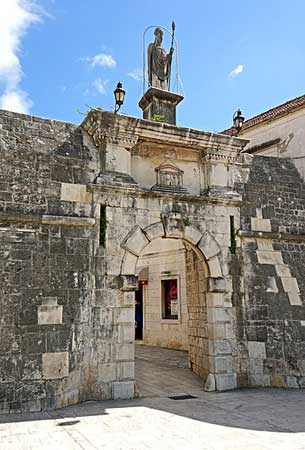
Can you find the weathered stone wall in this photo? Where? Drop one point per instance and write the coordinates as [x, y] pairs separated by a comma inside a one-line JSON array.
[[50, 325], [196, 288], [271, 315]]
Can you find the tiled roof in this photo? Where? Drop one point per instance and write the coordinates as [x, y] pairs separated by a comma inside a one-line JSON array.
[[272, 113]]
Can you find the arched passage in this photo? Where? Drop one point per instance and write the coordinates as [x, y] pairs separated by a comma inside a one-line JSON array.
[[209, 318]]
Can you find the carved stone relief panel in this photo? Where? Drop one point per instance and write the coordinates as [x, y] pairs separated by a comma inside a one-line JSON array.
[[169, 178]]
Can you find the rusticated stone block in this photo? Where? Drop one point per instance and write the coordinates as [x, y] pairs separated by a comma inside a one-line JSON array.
[[225, 382], [135, 241], [123, 390], [55, 365], [257, 349], [49, 312]]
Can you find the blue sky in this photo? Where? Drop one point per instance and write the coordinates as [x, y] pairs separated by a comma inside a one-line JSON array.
[[57, 56]]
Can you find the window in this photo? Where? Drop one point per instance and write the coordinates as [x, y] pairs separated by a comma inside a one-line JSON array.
[[169, 298]]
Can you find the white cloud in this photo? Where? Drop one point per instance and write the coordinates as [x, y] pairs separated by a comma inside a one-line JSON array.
[[15, 19], [101, 59], [136, 74], [237, 70], [16, 100], [100, 85]]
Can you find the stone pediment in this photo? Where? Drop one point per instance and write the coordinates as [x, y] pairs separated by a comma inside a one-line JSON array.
[[169, 178]]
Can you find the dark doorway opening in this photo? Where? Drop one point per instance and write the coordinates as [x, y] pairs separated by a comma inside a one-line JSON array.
[[139, 313]]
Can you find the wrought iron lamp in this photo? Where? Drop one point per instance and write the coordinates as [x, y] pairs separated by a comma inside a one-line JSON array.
[[238, 120], [119, 95]]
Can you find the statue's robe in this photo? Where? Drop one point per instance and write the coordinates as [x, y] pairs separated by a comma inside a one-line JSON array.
[[159, 66]]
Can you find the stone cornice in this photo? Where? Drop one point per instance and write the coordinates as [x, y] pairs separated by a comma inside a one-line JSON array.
[[108, 127], [95, 127], [221, 198], [216, 157]]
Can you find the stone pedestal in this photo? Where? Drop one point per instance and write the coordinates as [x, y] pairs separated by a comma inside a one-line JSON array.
[[159, 105]]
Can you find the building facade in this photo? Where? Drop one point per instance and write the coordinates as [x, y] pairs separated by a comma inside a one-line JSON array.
[[278, 132]]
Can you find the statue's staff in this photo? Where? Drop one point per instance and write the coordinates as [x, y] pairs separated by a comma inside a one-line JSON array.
[[171, 51]]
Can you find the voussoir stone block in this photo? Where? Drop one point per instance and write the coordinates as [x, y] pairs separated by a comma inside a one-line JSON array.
[[129, 264], [208, 245], [214, 267], [135, 241], [154, 231], [192, 235], [173, 225]]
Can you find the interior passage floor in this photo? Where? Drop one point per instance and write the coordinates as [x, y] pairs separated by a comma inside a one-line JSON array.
[[164, 372]]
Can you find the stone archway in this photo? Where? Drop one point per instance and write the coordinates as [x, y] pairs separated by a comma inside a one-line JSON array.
[[216, 362]]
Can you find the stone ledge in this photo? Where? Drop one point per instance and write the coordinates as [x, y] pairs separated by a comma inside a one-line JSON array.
[[72, 221], [144, 193], [68, 221], [271, 235]]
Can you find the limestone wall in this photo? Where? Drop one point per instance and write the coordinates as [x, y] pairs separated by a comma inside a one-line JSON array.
[[196, 288], [58, 341], [164, 258], [271, 270]]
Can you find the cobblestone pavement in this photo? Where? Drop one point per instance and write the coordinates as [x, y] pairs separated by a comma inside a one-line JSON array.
[[256, 419]]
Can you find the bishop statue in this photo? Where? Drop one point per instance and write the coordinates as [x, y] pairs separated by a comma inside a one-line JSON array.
[[159, 62]]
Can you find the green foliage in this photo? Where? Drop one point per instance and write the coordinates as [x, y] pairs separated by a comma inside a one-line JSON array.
[[186, 222], [158, 118], [103, 226], [232, 235]]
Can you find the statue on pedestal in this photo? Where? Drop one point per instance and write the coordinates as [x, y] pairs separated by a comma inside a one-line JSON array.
[[159, 101], [159, 62]]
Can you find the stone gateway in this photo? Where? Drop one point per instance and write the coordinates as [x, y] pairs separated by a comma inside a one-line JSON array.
[[79, 206]]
